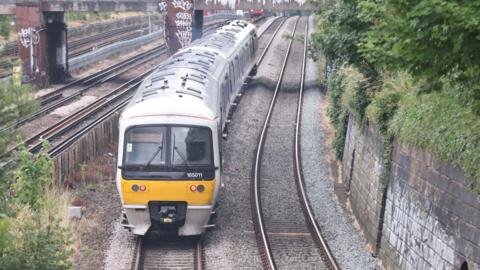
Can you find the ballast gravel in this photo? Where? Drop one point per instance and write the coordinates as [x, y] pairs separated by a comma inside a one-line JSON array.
[[346, 243], [120, 252]]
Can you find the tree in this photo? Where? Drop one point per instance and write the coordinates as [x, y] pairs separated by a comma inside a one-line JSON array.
[[15, 102], [340, 32], [433, 40]]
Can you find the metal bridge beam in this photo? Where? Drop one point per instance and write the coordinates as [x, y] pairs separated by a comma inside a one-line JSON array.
[[7, 6]]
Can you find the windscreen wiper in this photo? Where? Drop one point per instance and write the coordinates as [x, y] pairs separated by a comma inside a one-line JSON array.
[[175, 149], [159, 150]]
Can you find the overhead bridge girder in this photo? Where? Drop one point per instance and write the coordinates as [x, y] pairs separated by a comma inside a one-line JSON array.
[[7, 6], [274, 5]]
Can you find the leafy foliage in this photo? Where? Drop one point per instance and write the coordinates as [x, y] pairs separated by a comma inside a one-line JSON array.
[[32, 178], [86, 16], [36, 240], [337, 113], [430, 39], [15, 103], [34, 235], [5, 25], [385, 103]]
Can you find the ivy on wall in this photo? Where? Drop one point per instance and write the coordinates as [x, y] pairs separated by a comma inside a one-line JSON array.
[[410, 67]]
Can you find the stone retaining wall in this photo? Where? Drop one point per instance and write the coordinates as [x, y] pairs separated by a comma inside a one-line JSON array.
[[361, 175], [431, 218]]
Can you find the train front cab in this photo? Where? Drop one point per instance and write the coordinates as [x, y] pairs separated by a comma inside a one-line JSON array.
[[168, 177]]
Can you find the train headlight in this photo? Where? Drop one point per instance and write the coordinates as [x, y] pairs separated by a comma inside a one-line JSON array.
[[193, 188], [135, 187], [142, 188], [201, 188]]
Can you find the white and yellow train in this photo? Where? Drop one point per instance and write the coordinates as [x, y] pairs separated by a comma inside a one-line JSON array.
[[170, 134]]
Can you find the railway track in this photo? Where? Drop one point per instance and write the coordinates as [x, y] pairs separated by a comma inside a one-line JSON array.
[[285, 227], [184, 253], [58, 98], [177, 253], [81, 46]]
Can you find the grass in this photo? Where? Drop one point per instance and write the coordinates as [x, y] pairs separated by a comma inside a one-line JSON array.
[[442, 123]]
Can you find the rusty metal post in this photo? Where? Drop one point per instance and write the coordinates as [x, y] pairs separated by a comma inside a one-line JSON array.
[[178, 24]]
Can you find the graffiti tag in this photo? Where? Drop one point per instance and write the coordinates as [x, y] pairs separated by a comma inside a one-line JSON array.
[[28, 37], [185, 5]]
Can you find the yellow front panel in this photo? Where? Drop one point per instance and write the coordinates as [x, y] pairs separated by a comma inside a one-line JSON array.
[[157, 190]]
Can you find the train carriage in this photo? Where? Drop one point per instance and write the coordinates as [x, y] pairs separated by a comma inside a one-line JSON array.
[[170, 134]]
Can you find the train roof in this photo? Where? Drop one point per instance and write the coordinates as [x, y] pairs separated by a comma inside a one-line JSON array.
[[188, 79]]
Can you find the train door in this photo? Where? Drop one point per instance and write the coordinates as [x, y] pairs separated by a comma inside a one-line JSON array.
[[232, 76]]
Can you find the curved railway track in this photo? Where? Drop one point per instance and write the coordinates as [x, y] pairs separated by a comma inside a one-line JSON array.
[[286, 231]]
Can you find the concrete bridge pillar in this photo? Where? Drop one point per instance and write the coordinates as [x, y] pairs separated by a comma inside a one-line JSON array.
[[42, 44]]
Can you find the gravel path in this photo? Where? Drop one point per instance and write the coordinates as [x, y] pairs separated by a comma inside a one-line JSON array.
[[345, 241], [231, 244]]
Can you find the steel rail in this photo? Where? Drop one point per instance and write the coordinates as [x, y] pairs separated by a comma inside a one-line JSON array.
[[58, 149], [264, 247], [310, 217], [260, 59], [199, 255], [105, 42], [64, 125]]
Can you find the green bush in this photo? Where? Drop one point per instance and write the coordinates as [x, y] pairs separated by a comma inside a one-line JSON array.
[[5, 25], [384, 104], [431, 39], [15, 103], [35, 234], [36, 240], [337, 113], [32, 178]]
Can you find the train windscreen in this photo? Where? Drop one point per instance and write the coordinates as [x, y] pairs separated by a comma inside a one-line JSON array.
[[168, 152]]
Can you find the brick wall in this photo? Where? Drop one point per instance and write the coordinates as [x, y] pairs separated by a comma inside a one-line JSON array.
[[432, 220]]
